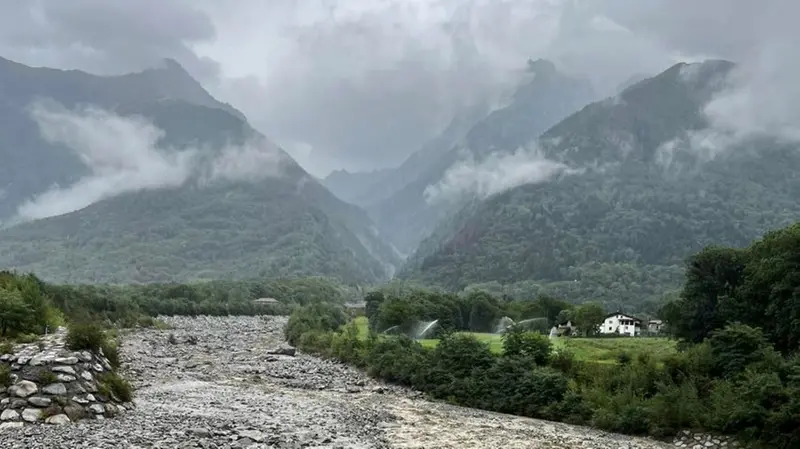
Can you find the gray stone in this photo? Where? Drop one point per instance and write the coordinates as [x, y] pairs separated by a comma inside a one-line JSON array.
[[18, 403], [75, 412], [38, 401], [284, 350], [10, 426], [78, 400], [23, 389], [57, 389], [31, 414], [68, 361], [86, 375], [9, 415], [40, 360], [84, 356], [253, 435], [64, 369], [200, 432], [97, 408], [57, 420], [66, 378]]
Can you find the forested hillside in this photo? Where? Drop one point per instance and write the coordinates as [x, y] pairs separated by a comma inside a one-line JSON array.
[[539, 103], [188, 190], [639, 198]]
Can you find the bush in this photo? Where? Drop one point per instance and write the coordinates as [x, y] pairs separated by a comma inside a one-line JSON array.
[[564, 361], [113, 385], [321, 317], [47, 377], [736, 346], [111, 352], [5, 375], [86, 337], [6, 348], [400, 360], [517, 343]]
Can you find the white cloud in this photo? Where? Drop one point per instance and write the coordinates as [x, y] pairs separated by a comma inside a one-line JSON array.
[[761, 98], [122, 155], [496, 173]]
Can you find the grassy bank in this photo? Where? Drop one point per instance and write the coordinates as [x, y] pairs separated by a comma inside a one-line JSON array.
[[598, 350]]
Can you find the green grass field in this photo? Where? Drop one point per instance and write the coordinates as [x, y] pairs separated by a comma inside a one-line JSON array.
[[600, 350]]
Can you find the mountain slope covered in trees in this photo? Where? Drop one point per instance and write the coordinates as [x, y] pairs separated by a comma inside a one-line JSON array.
[[546, 97], [219, 201], [637, 196]]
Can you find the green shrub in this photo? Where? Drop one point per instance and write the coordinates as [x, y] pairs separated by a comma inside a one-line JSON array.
[[400, 360], [112, 384], [564, 361], [314, 317], [6, 348], [27, 338], [5, 375], [518, 343], [85, 337], [736, 346], [347, 346], [111, 352], [47, 377]]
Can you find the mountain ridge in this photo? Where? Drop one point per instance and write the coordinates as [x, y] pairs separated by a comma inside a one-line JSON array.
[[269, 218], [628, 206], [542, 100]]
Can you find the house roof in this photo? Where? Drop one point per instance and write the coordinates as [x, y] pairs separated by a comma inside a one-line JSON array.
[[623, 314]]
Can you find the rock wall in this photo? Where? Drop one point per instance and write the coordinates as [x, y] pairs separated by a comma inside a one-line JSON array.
[[689, 440], [51, 384]]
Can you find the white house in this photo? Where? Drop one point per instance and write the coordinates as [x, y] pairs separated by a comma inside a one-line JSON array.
[[655, 326], [620, 323]]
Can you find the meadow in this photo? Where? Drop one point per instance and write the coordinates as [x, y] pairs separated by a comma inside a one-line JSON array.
[[599, 350]]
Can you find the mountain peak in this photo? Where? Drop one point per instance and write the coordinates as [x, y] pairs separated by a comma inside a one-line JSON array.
[[541, 67]]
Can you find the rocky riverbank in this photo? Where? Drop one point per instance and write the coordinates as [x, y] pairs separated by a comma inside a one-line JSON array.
[[47, 382], [212, 383]]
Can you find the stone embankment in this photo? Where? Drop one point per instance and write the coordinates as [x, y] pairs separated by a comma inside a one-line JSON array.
[[51, 384], [224, 383], [690, 440]]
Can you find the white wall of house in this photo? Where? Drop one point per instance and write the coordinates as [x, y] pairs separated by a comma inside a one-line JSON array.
[[621, 324]]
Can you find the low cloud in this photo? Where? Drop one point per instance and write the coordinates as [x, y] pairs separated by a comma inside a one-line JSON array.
[[123, 154], [760, 99], [495, 174]]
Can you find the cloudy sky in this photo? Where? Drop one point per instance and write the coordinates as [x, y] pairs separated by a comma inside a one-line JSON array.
[[360, 84]]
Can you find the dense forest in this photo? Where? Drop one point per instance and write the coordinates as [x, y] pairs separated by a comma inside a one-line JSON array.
[[28, 304], [737, 370]]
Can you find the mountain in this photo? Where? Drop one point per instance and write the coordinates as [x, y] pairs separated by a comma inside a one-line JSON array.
[[191, 191], [546, 97], [637, 198], [371, 188]]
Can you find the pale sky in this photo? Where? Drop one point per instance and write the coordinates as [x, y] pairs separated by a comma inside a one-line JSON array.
[[361, 84]]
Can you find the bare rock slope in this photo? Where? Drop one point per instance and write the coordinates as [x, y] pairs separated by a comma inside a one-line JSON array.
[[211, 383]]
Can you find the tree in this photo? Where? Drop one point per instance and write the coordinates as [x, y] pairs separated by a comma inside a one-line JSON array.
[[14, 312], [373, 301], [588, 318], [713, 276]]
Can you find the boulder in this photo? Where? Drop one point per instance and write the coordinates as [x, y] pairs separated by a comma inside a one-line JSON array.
[[31, 414], [23, 389], [284, 350], [57, 420]]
